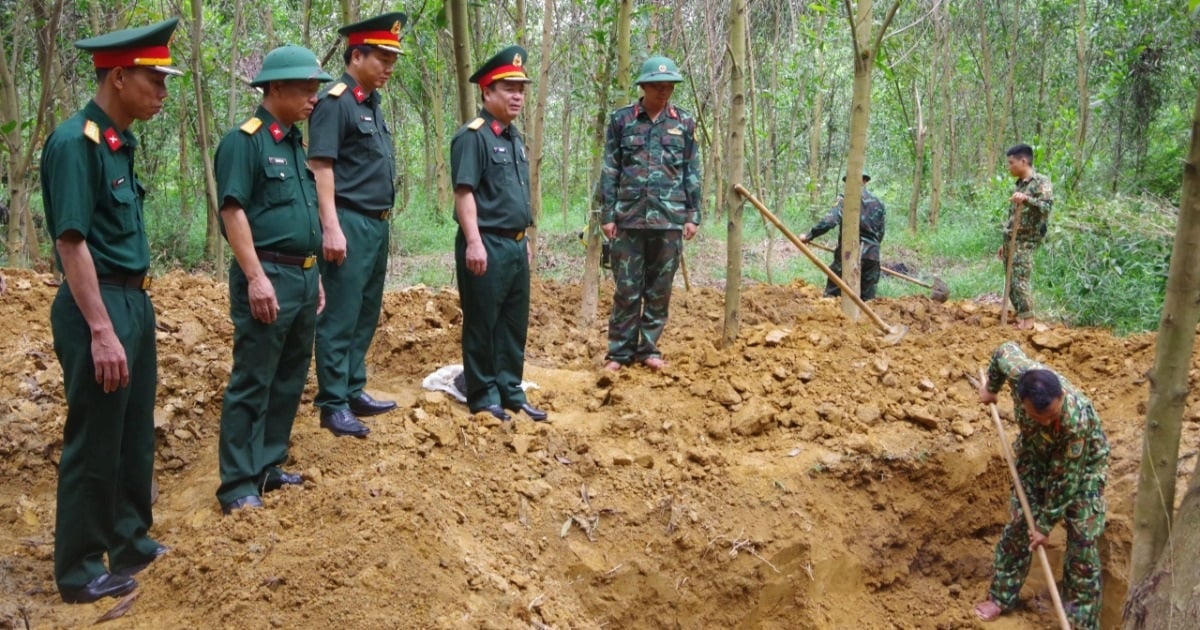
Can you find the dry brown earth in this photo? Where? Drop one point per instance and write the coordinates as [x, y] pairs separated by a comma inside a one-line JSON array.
[[809, 477]]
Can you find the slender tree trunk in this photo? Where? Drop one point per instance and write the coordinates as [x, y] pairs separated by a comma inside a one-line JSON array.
[[1081, 85], [988, 146], [817, 121], [214, 243], [735, 168], [462, 58], [564, 163], [943, 116], [918, 164], [538, 132], [591, 266], [1152, 567], [624, 63]]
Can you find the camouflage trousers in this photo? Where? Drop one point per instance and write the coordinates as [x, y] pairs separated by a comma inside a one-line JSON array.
[[1021, 291], [1080, 585], [869, 278], [643, 265]]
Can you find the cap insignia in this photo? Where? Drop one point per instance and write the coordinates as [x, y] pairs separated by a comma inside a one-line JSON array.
[[517, 60], [396, 28], [662, 67]]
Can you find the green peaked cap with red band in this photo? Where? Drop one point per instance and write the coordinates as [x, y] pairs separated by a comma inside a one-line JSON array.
[[382, 31], [506, 65], [141, 47]]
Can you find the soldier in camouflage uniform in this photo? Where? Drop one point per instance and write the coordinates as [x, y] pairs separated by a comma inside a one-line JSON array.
[[649, 196], [871, 222], [1062, 461], [1035, 196]]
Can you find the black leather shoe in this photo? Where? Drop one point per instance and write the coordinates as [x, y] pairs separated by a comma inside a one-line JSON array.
[[131, 571], [343, 422], [497, 411], [275, 479], [248, 501], [364, 405], [101, 586], [535, 414]]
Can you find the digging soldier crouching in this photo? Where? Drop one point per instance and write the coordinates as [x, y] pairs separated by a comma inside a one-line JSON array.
[[353, 159], [103, 321], [1062, 461], [490, 173], [649, 195], [269, 216]]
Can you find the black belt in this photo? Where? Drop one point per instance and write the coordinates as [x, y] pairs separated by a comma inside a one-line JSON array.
[[133, 281], [382, 215], [304, 262], [515, 235]]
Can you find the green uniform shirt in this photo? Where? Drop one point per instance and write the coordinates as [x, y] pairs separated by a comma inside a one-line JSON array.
[[261, 166], [348, 127], [490, 158], [651, 174], [1074, 455], [872, 222], [1036, 211], [89, 186]]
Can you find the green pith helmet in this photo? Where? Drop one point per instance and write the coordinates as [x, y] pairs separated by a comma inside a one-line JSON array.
[[659, 70], [290, 63]]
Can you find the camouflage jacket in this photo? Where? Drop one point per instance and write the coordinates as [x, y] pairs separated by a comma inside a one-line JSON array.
[[651, 175], [871, 224], [1072, 457], [1036, 210]]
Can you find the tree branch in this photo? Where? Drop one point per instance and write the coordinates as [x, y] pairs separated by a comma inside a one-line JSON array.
[[853, 28], [887, 21]]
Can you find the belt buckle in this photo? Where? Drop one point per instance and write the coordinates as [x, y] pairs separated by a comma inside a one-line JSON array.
[[309, 261], [146, 282], [519, 236], [383, 216]]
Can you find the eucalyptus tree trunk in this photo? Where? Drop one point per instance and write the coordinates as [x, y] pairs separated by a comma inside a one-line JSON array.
[[591, 266], [214, 244], [22, 237], [918, 163], [537, 135], [816, 121], [735, 168], [1081, 85], [987, 148], [462, 58], [1164, 574], [943, 114]]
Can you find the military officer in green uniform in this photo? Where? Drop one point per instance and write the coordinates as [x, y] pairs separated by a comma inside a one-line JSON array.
[[872, 223], [1034, 195], [649, 196], [352, 154], [1062, 461], [490, 173], [102, 319], [269, 215]]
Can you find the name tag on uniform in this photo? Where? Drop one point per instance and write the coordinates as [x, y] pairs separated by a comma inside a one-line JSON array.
[[276, 160], [675, 132], [366, 119], [118, 181], [499, 150]]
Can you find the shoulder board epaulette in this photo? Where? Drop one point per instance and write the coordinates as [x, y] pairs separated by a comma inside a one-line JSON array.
[[250, 127], [474, 125], [337, 89], [91, 131]]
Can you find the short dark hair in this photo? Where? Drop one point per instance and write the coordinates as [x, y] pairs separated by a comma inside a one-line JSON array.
[[1021, 151], [1040, 387], [362, 48], [102, 74]]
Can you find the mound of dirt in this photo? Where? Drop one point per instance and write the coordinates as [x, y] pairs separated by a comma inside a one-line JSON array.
[[810, 476]]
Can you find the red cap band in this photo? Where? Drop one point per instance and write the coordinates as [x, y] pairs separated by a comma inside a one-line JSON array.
[[502, 73], [373, 38], [127, 57]]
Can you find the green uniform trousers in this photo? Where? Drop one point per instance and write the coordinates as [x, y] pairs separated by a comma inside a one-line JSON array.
[[107, 464], [643, 264], [353, 299], [270, 367], [1080, 586], [868, 278], [1020, 293], [495, 310]]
